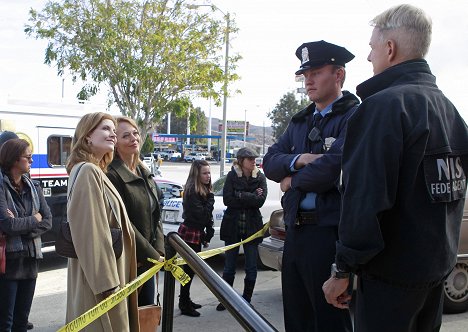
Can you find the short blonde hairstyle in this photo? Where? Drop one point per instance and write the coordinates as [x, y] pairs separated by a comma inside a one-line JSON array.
[[80, 150]]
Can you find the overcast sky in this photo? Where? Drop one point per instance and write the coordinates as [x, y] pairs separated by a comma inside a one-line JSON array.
[[269, 33]]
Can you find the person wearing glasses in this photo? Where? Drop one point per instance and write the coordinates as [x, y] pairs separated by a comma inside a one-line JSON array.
[[24, 216], [306, 160]]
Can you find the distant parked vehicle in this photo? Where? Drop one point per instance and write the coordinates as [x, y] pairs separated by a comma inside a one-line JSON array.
[[259, 162], [194, 156], [172, 155]]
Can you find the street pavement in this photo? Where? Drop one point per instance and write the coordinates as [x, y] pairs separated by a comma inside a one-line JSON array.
[[48, 310]]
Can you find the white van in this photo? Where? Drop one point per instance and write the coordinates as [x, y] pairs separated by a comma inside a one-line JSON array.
[[49, 129]]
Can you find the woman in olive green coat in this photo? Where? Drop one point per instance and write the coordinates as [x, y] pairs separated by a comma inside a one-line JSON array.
[[142, 200]]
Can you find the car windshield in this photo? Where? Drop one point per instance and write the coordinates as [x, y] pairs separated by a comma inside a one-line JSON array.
[[218, 186], [170, 190]]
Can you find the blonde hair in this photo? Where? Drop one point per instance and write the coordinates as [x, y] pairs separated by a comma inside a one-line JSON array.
[[136, 158], [80, 149], [409, 26], [193, 180]]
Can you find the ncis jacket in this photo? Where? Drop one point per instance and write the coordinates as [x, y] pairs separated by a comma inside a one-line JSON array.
[[239, 194], [142, 199], [322, 175], [404, 177]]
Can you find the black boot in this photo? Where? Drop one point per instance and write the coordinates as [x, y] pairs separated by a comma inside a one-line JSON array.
[[195, 305], [249, 286], [186, 308], [230, 281]]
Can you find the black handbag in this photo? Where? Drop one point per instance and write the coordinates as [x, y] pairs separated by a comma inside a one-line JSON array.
[[64, 242]]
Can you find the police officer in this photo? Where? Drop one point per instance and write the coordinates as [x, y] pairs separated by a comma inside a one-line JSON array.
[[404, 179], [306, 161]]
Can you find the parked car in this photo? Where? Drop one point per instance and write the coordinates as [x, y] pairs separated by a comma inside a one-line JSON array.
[[259, 162], [172, 155], [194, 156], [148, 161], [455, 286], [170, 189], [172, 210]]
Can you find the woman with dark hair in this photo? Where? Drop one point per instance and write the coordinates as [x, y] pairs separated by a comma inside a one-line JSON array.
[[244, 193], [94, 206], [24, 217], [142, 199], [197, 228]]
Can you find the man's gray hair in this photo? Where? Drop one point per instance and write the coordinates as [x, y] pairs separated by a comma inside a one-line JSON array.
[[409, 26]]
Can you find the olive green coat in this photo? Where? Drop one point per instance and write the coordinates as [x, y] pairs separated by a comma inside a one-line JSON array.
[[144, 216]]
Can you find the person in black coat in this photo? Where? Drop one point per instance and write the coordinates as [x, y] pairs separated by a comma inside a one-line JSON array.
[[244, 193], [197, 228], [405, 163]]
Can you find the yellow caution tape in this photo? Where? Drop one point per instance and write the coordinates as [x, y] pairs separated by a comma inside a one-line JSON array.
[[172, 265], [176, 271], [108, 303], [213, 252]]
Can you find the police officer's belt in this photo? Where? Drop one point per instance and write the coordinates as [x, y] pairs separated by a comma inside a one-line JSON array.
[[306, 218]]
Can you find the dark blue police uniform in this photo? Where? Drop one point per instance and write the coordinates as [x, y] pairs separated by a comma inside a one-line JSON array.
[[312, 234]]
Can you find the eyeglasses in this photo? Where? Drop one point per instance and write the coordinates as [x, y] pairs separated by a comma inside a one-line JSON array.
[[29, 158]]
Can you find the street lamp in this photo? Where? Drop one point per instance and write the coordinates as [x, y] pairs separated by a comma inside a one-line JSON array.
[[225, 85], [245, 127]]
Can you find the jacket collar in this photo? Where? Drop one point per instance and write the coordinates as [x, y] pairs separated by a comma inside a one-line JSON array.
[[238, 170], [340, 106], [412, 69], [125, 174]]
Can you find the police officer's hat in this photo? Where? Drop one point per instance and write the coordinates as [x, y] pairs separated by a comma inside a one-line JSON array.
[[246, 153], [320, 53]]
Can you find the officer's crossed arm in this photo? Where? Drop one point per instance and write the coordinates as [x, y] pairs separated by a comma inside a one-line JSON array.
[[305, 158]]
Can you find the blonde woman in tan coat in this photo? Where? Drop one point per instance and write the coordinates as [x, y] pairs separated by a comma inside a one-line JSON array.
[[94, 205]]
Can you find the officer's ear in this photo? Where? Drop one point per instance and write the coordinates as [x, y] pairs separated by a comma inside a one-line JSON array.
[[340, 74]]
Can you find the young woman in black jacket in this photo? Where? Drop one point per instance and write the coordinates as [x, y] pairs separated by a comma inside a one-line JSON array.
[[244, 193], [197, 228]]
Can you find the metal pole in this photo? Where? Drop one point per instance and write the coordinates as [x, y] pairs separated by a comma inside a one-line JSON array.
[[209, 130], [245, 126], [242, 311], [263, 150], [168, 294], [226, 77]]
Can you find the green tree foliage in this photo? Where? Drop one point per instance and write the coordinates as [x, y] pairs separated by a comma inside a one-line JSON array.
[[148, 53], [284, 111], [148, 145]]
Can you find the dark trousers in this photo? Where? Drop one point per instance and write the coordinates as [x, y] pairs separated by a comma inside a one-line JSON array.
[[15, 304], [250, 256], [309, 251], [386, 308], [185, 290], [147, 290]]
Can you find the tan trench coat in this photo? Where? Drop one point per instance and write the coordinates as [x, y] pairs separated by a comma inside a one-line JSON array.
[[96, 269]]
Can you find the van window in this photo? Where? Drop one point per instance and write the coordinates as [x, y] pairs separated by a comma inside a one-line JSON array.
[[58, 150]]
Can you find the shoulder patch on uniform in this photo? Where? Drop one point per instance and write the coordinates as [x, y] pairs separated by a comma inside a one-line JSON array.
[[445, 178]]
